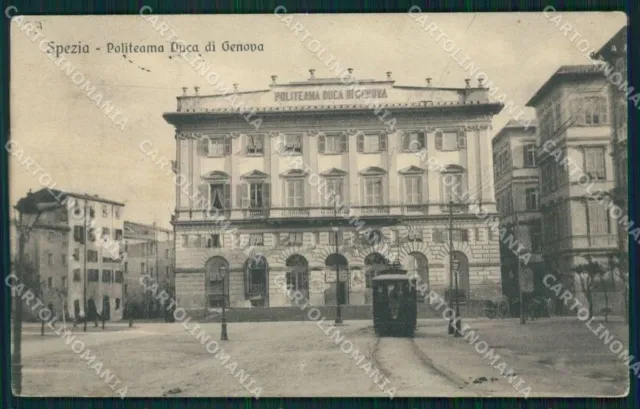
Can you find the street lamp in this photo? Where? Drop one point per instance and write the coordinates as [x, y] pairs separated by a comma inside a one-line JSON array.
[[336, 230], [29, 214], [222, 271]]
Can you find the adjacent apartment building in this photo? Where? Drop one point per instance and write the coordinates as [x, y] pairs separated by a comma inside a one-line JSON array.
[[576, 124], [149, 250], [614, 53], [71, 259], [517, 185], [258, 172]]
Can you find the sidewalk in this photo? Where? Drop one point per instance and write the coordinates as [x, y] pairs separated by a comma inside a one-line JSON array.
[[555, 357]]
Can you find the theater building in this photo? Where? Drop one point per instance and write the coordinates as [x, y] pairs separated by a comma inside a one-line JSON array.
[[271, 171]]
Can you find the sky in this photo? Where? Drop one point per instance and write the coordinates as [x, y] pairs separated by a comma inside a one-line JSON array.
[[54, 122]]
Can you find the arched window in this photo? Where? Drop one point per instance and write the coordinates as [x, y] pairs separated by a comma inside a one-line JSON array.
[[256, 281]]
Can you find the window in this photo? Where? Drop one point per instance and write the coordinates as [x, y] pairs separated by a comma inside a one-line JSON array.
[[118, 234], [64, 259], [372, 143], [142, 269], [332, 238], [214, 241], [462, 139], [531, 198], [414, 235], [151, 271], [117, 304], [78, 234], [50, 259], [256, 239], [255, 145], [594, 163], [460, 235], [536, 236], [333, 191], [292, 144], [126, 266], [105, 211], [64, 282], [450, 140], [295, 193], [76, 275], [254, 195], [292, 239], [166, 271], [93, 275], [106, 276], [333, 143], [185, 240], [412, 190], [50, 236], [414, 141], [373, 191], [116, 210], [452, 187], [76, 254], [92, 212], [50, 282], [166, 253], [595, 110], [106, 233], [219, 146], [92, 234], [598, 218], [529, 155], [557, 114]]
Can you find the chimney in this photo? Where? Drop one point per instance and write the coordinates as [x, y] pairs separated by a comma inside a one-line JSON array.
[[388, 75], [350, 71], [429, 82], [184, 91], [196, 89], [480, 81], [312, 74], [274, 79], [467, 81]]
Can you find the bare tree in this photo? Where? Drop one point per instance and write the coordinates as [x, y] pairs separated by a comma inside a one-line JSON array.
[[588, 273]]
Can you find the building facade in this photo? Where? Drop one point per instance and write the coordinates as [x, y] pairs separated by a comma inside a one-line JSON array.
[[574, 155], [150, 251], [273, 163], [65, 254], [614, 52], [517, 185]]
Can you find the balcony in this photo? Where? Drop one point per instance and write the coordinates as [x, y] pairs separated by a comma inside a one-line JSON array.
[[374, 210]]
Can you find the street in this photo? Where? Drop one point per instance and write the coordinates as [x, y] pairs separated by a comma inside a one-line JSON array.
[[555, 357]]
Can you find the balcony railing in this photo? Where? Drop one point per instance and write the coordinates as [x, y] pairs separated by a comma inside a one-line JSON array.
[[296, 212], [346, 210]]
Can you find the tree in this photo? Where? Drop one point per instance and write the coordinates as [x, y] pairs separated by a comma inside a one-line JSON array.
[[588, 273], [619, 264]]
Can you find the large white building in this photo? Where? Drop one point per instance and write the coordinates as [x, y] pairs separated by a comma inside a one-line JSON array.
[[270, 159]]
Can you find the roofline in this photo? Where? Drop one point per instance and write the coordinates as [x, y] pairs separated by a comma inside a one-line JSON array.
[[149, 226], [57, 195], [557, 76], [502, 132], [489, 107], [604, 50]]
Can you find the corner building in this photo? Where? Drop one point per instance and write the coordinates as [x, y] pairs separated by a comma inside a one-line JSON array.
[[315, 138]]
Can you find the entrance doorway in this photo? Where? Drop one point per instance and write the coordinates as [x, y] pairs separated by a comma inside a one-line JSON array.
[[298, 275]]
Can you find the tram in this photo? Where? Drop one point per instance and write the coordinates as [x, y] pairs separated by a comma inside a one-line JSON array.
[[395, 306]]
